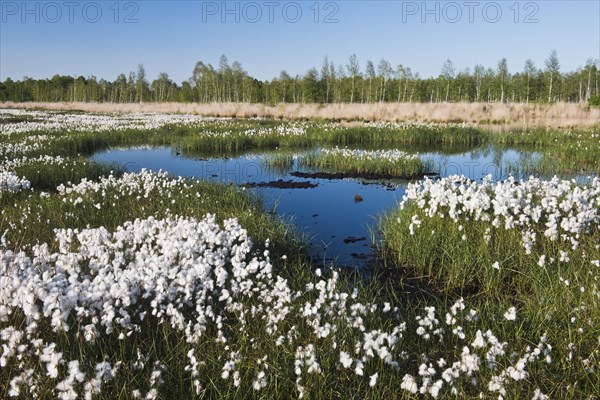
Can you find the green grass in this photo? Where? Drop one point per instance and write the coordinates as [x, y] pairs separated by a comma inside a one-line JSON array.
[[244, 135], [447, 266], [557, 298], [561, 152], [373, 163], [47, 176], [35, 217], [415, 135]]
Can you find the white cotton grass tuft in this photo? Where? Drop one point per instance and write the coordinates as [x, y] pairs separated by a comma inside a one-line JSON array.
[[567, 208], [373, 379], [174, 259], [511, 314], [345, 359], [10, 182]]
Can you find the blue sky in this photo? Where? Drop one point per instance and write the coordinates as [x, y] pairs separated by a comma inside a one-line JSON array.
[[43, 38]]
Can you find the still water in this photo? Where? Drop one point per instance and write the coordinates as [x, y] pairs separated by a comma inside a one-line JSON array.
[[339, 216]]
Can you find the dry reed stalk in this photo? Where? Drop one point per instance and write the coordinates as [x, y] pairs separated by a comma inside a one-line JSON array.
[[501, 116]]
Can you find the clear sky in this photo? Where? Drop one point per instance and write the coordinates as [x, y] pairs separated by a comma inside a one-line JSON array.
[[104, 38]]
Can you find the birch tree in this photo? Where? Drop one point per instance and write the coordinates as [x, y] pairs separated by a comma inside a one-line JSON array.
[[552, 68], [353, 70]]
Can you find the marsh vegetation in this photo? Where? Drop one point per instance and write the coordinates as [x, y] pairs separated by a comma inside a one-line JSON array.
[[142, 284]]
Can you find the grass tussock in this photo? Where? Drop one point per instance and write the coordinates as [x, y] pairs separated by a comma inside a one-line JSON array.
[[384, 163], [534, 243]]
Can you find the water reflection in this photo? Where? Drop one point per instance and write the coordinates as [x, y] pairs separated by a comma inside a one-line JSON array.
[[339, 226]]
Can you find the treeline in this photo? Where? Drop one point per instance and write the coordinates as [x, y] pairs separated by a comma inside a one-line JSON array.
[[348, 83]]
